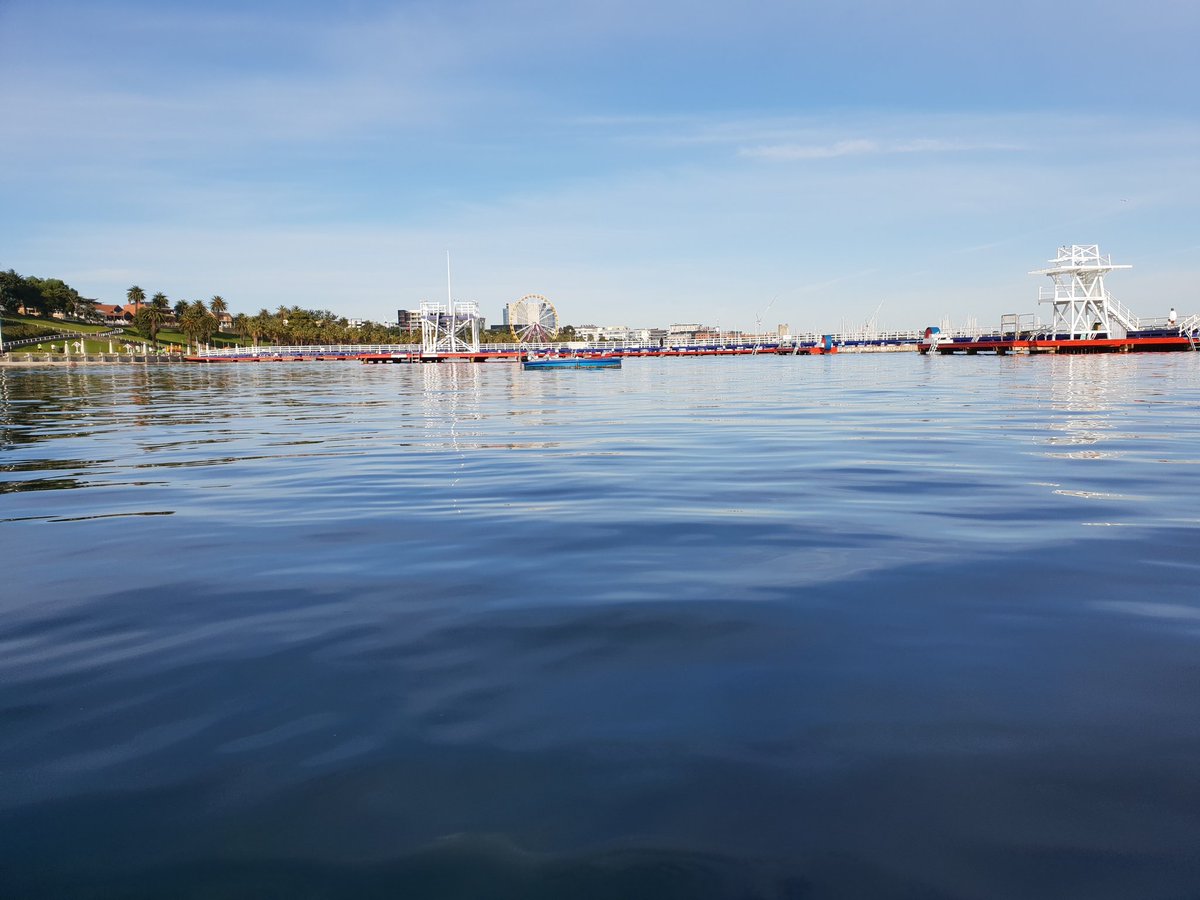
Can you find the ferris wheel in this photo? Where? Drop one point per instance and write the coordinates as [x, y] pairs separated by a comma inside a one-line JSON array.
[[532, 319]]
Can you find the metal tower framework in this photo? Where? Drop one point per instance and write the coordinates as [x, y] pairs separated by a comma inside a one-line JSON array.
[[449, 327], [1083, 308]]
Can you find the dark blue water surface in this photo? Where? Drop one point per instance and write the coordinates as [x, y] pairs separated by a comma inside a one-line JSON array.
[[847, 627]]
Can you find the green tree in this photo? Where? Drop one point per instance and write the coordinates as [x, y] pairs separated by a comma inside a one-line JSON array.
[[17, 292], [277, 330], [217, 307], [137, 297], [260, 325], [284, 324], [197, 323], [56, 296], [85, 308], [150, 318], [302, 325]]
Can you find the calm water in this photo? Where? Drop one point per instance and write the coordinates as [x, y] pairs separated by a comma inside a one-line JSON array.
[[851, 627]]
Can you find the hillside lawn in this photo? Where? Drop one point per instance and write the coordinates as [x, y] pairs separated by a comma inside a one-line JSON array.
[[167, 339]]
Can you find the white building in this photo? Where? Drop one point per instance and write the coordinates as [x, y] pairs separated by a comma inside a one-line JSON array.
[[691, 332], [612, 333]]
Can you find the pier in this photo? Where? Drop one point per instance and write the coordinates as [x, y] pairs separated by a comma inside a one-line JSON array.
[[76, 359], [1085, 318], [1001, 345], [802, 345], [450, 333]]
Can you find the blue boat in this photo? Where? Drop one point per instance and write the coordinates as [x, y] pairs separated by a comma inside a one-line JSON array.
[[573, 362]]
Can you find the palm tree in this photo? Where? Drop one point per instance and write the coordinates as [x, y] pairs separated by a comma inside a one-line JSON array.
[[151, 318], [197, 322], [277, 331], [137, 297], [217, 307], [284, 320], [260, 325], [302, 326]]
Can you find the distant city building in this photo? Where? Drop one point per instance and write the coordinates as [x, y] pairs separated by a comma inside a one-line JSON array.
[[355, 323], [782, 330], [612, 333], [410, 320], [691, 332]]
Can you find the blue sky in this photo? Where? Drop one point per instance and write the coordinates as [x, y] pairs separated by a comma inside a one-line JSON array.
[[638, 163]]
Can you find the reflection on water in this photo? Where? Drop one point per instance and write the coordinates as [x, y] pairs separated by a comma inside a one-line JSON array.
[[799, 627]]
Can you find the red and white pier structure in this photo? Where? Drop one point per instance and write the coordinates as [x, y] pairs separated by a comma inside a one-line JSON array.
[[1085, 317]]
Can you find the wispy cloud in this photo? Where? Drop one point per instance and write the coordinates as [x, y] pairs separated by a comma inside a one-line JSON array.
[[784, 152], [866, 146], [799, 138]]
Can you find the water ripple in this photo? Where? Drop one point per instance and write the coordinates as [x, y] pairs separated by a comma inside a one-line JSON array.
[[878, 626]]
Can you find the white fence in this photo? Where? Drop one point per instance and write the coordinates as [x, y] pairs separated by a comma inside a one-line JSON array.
[[744, 341]]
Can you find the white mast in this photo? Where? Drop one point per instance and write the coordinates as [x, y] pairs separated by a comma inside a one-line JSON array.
[[449, 297], [441, 324]]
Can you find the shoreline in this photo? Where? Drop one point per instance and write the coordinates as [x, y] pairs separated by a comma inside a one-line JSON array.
[[59, 359]]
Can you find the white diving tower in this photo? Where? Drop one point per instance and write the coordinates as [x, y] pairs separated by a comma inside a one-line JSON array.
[[1083, 308], [449, 327]]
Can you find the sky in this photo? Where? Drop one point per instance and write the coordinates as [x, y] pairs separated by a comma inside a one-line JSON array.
[[639, 163]]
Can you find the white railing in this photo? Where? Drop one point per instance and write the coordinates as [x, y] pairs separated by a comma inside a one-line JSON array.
[[1190, 325], [1124, 314], [63, 336], [267, 351], [742, 341]]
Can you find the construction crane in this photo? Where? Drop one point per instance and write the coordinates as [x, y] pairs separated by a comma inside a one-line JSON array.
[[758, 320]]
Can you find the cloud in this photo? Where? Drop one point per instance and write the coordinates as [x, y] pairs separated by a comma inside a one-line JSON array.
[[864, 147], [705, 240], [785, 152], [829, 135]]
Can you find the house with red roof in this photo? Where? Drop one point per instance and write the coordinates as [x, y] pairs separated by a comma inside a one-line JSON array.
[[114, 314]]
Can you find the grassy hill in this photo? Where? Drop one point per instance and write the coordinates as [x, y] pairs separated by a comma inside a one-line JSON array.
[[18, 328]]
